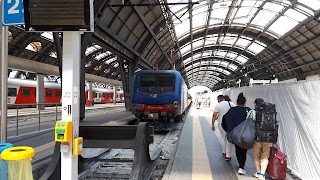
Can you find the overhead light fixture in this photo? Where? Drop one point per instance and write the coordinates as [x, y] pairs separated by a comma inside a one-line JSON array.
[[36, 46], [10, 37]]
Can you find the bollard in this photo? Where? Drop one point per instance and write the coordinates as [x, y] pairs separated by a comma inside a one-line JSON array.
[[4, 164], [19, 162]]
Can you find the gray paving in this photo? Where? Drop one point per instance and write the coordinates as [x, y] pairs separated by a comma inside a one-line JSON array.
[[220, 169]]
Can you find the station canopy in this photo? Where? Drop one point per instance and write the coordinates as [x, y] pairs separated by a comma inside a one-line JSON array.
[[213, 43]]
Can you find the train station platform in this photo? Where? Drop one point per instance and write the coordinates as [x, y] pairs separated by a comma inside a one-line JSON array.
[[25, 111], [199, 152]]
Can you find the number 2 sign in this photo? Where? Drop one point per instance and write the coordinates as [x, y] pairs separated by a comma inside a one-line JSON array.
[[13, 12]]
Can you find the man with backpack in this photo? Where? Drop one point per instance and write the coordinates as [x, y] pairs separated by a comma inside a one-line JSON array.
[[223, 106], [266, 127]]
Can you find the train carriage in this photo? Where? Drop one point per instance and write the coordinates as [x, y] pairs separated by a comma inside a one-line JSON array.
[[22, 91], [159, 96]]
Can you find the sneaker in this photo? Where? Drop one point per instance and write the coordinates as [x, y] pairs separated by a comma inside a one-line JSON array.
[[242, 171], [228, 158], [256, 175], [261, 177]]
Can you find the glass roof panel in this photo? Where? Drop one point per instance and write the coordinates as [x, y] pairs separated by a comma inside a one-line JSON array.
[[53, 54], [111, 60], [256, 48], [232, 55], [116, 65], [295, 15], [243, 42], [229, 40], [273, 7], [242, 59], [188, 68], [219, 14], [233, 67], [221, 53], [196, 56], [196, 64], [305, 9], [314, 4], [186, 61], [185, 49], [244, 14], [200, 8], [207, 53], [92, 49], [283, 25], [47, 35], [102, 55], [29, 47], [212, 38], [182, 28], [197, 43], [250, 3], [224, 64], [199, 20], [263, 17]]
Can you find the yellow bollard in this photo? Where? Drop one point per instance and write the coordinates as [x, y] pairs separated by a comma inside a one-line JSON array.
[[19, 162]]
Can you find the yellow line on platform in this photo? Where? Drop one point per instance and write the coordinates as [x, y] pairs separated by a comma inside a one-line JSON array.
[[116, 122], [44, 147], [200, 164]]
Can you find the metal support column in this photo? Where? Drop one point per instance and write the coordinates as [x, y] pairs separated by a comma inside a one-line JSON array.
[[127, 80], [70, 100], [115, 95], [90, 93], [40, 91], [58, 47], [4, 78], [86, 39]]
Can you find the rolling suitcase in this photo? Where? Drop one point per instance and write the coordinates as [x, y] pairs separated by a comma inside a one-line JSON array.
[[277, 167]]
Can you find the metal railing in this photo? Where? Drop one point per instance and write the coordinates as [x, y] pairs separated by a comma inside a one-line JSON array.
[[27, 117]]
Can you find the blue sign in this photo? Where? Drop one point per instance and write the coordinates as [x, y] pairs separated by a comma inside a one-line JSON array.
[[12, 12]]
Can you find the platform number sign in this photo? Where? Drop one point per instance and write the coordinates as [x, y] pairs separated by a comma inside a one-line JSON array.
[[13, 12]]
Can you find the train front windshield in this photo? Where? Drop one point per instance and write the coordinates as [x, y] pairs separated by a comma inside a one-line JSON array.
[[157, 83]]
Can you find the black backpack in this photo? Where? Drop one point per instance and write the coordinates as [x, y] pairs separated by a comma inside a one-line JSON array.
[[266, 123]]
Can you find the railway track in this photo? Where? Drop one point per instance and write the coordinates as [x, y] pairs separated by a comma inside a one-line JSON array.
[[116, 164]]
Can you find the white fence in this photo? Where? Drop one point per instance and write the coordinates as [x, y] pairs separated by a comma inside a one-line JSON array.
[[298, 108]]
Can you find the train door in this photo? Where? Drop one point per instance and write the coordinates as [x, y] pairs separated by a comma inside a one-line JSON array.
[[12, 95], [97, 97]]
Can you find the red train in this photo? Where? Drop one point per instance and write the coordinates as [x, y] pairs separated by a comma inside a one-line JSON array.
[[21, 91]]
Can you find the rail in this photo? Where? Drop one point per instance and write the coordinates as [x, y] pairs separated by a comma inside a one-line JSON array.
[[25, 121], [137, 137]]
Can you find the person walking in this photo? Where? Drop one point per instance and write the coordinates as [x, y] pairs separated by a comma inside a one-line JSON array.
[[261, 150], [232, 119], [221, 109]]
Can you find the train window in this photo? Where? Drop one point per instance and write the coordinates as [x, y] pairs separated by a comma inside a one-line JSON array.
[[95, 95], [146, 81], [165, 81], [25, 92], [12, 91], [48, 93], [58, 93]]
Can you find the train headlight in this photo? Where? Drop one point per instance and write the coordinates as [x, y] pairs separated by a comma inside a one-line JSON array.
[[139, 106], [176, 104]]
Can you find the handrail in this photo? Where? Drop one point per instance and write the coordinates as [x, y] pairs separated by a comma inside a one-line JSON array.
[[39, 109]]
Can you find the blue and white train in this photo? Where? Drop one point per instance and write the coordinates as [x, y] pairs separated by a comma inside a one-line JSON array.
[[159, 96]]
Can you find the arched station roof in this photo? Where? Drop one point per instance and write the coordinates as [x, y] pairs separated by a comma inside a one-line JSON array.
[[212, 43]]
